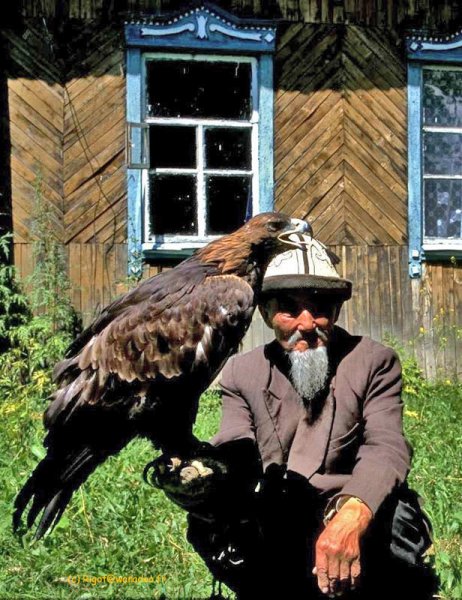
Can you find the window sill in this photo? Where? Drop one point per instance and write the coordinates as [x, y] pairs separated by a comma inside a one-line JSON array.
[[442, 251]]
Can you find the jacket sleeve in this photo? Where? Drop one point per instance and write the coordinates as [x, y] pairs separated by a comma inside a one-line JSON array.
[[383, 459], [236, 421]]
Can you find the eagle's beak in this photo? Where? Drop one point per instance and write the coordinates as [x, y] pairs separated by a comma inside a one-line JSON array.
[[300, 226], [297, 226]]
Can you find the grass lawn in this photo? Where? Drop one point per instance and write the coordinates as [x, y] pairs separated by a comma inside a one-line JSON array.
[[117, 525]]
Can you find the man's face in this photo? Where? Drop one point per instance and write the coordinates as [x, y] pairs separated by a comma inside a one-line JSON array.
[[296, 315]]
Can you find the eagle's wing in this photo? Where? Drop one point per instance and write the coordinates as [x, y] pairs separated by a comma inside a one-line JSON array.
[[194, 328], [183, 340]]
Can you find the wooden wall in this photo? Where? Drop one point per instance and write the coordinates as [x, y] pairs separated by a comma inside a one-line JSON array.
[[340, 133], [340, 150], [391, 14]]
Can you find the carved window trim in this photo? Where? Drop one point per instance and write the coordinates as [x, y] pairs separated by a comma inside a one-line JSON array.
[[206, 31]]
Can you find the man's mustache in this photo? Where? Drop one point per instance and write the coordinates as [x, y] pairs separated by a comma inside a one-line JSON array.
[[298, 335]]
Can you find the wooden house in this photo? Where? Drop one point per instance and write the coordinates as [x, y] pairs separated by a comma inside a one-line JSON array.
[[154, 125]]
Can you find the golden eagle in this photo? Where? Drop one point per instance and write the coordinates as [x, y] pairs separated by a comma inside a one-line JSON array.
[[141, 367]]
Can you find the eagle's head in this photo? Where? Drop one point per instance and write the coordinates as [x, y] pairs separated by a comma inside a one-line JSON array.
[[255, 243]]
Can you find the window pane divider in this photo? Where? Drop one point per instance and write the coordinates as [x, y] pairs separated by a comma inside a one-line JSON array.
[[432, 176], [432, 129], [194, 122], [201, 207]]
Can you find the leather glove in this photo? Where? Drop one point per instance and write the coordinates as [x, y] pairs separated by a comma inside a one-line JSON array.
[[189, 483]]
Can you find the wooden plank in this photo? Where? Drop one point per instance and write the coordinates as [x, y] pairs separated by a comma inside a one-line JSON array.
[[316, 163], [439, 323], [98, 94], [111, 185], [106, 225], [363, 214], [370, 187], [394, 283], [374, 294], [457, 286], [75, 276], [52, 130], [427, 322], [295, 164], [376, 153], [48, 164], [385, 227], [450, 355], [112, 112], [50, 144], [24, 174], [318, 185], [101, 158], [91, 140]]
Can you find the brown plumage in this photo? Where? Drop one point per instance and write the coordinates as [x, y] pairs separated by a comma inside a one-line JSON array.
[[141, 367]]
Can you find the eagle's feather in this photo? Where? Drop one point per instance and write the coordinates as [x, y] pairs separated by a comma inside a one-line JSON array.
[[141, 367]]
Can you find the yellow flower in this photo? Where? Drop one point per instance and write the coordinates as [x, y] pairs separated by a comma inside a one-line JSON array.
[[411, 413]]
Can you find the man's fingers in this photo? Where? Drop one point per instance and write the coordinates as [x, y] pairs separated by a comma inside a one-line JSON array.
[[321, 572], [333, 574], [345, 576], [355, 572]]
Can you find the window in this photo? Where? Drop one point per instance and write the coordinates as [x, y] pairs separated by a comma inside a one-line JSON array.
[[200, 111], [435, 149], [202, 114]]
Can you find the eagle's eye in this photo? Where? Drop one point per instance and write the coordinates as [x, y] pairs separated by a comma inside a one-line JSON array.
[[275, 226]]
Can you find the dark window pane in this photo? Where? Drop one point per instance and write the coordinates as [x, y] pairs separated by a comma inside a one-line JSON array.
[[442, 153], [228, 148], [229, 202], [172, 146], [173, 204], [179, 88], [442, 98], [443, 208]]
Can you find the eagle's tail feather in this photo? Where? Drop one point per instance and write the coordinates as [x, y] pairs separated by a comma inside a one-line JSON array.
[[50, 488]]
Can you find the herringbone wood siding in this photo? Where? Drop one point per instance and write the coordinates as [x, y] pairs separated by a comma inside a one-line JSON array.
[[69, 136], [340, 128], [340, 143]]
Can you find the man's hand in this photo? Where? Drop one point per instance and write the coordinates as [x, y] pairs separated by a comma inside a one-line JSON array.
[[337, 549]]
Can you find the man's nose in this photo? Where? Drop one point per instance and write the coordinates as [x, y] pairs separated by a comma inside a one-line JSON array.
[[305, 321]]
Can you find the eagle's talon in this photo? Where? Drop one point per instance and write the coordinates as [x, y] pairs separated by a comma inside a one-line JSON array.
[[175, 463]]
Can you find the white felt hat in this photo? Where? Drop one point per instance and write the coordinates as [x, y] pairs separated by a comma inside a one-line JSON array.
[[306, 264]]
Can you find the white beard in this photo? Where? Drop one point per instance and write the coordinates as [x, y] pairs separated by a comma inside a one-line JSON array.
[[309, 371]]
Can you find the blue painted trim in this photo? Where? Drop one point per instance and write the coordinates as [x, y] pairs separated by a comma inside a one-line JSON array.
[[266, 133], [415, 228], [447, 48], [135, 209], [203, 29]]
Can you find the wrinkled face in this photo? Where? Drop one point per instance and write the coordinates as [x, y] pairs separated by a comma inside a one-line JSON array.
[[300, 320]]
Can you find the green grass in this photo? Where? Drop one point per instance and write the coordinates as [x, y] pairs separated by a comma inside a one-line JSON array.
[[117, 525]]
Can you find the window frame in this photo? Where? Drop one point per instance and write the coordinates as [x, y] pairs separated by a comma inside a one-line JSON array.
[[174, 241], [207, 31], [438, 53]]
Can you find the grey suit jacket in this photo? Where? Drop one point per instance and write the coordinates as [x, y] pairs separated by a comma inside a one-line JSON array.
[[356, 445]]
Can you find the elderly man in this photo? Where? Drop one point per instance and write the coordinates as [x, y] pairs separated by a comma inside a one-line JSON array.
[[306, 493]]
